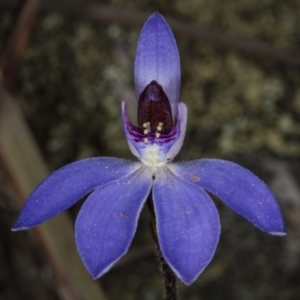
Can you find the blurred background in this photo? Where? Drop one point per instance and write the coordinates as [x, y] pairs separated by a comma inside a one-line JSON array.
[[61, 93]]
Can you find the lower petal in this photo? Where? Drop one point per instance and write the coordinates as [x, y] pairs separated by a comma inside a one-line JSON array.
[[107, 221], [240, 189], [187, 223], [64, 187]]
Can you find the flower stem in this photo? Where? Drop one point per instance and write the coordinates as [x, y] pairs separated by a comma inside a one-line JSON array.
[[168, 275]]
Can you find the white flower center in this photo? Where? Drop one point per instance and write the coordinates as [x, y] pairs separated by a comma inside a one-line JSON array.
[[152, 156]]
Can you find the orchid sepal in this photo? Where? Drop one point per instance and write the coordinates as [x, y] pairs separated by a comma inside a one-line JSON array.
[[238, 188], [67, 185], [157, 58], [107, 221], [188, 225]]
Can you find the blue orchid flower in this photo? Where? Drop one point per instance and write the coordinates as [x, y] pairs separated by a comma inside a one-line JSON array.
[[188, 225]]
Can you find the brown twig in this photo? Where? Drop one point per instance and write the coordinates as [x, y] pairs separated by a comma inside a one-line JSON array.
[[17, 39], [129, 17]]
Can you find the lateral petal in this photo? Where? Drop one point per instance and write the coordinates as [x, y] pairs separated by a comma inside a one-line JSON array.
[[107, 221], [187, 223], [64, 187], [240, 189]]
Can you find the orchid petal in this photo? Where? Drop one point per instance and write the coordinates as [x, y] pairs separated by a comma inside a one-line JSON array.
[[157, 58], [187, 223], [67, 185], [181, 125], [107, 221], [240, 189]]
